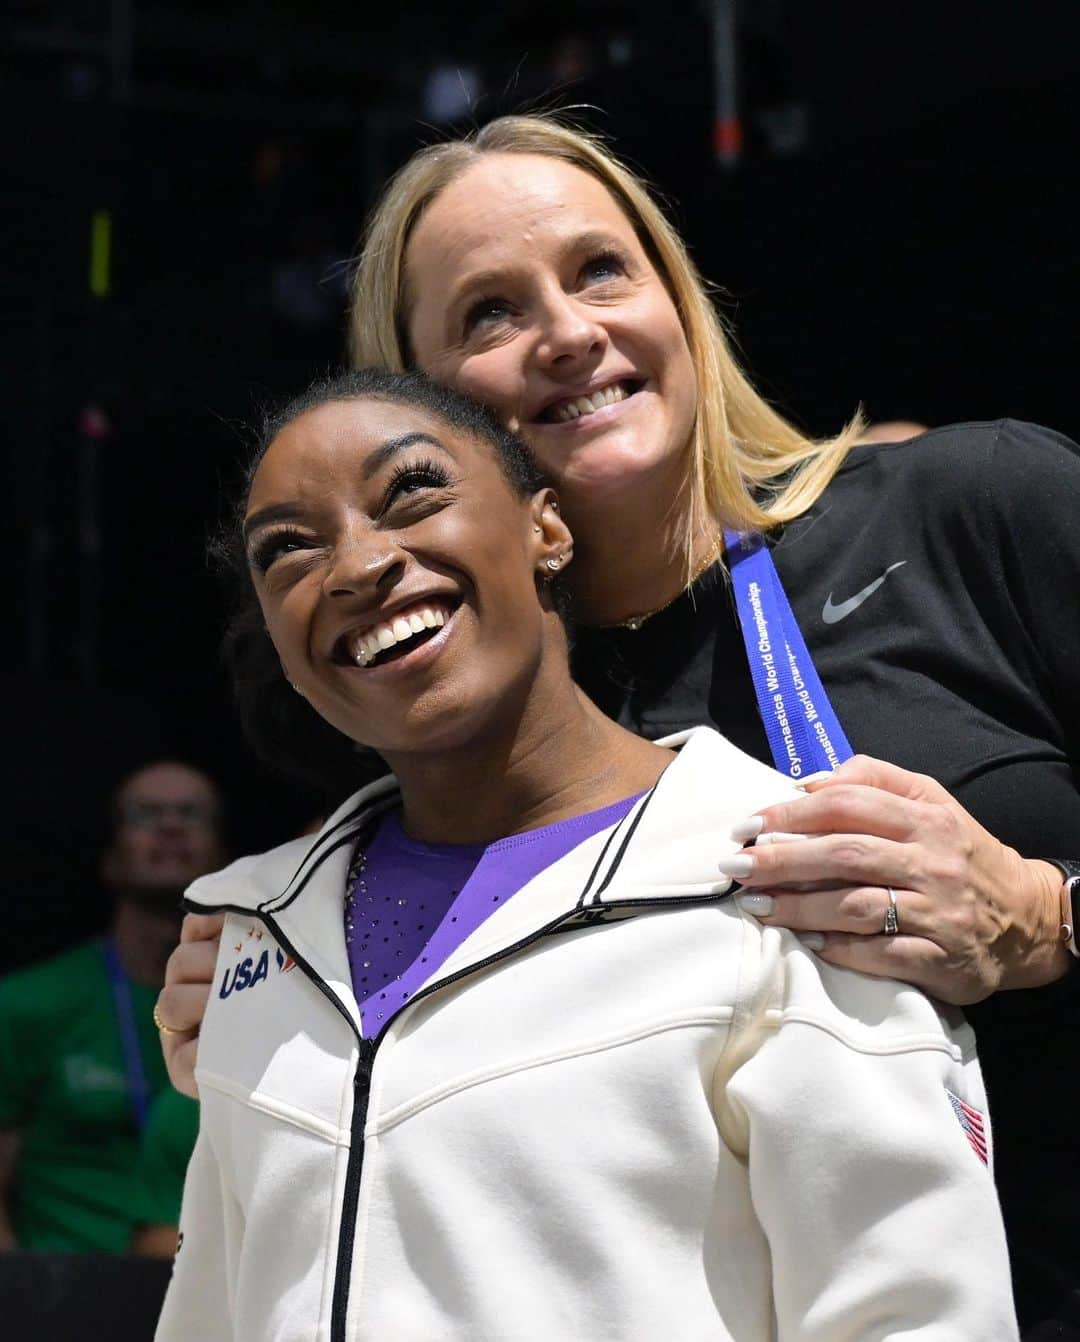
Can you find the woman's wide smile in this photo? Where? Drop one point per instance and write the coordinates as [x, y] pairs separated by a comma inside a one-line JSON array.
[[530, 290], [399, 638], [398, 571], [586, 408]]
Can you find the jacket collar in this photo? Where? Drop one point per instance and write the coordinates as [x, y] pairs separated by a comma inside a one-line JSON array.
[[665, 849]]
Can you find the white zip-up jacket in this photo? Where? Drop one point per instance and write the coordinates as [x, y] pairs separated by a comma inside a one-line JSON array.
[[621, 1110]]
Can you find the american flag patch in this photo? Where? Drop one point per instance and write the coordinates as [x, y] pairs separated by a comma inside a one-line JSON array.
[[972, 1122]]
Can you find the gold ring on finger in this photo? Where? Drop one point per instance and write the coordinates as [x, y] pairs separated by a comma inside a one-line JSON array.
[[165, 1029]]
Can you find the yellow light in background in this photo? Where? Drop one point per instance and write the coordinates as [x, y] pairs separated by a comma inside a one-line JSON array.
[[100, 252]]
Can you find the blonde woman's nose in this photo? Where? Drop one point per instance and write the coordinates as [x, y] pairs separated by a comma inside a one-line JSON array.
[[571, 331]]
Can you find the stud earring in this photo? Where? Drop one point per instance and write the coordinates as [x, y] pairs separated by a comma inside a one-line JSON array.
[[537, 530]]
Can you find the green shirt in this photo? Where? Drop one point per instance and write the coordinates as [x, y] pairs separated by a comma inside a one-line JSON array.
[[64, 1089], [164, 1153]]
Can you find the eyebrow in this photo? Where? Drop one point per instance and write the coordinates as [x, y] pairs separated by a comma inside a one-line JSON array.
[[387, 451], [273, 512], [293, 512], [591, 240]]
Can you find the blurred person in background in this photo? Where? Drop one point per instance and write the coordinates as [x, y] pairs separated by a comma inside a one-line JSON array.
[[930, 583], [79, 1062]]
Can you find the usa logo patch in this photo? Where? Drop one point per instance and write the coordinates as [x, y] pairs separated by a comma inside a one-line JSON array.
[[971, 1120], [254, 967]]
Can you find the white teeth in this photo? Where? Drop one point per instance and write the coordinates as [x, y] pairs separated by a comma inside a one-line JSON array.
[[366, 646], [588, 405]]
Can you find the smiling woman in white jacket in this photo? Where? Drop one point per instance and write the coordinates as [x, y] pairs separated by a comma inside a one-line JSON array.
[[608, 1103]]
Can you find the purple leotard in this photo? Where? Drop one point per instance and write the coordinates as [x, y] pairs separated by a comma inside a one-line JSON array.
[[409, 905]]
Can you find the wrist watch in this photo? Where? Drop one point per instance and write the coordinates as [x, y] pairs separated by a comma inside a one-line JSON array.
[[1070, 870]]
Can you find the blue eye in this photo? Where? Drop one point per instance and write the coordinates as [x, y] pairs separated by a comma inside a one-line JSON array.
[[605, 266]]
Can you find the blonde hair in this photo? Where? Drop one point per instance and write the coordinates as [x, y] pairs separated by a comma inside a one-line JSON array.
[[751, 468]]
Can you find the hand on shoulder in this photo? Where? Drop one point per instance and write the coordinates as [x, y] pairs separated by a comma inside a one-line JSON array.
[[971, 915]]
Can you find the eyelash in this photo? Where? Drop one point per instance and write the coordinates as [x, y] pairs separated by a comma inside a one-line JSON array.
[[616, 260], [476, 312], [265, 551], [425, 474]]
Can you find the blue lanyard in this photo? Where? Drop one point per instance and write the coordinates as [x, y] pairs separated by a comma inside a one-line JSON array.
[[804, 732], [137, 1084]]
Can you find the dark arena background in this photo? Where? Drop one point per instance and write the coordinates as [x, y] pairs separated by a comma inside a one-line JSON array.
[[883, 193]]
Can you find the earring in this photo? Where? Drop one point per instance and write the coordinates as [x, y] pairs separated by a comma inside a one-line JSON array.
[[537, 530], [553, 564]]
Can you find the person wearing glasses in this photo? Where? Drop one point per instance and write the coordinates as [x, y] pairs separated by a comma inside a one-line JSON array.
[[79, 1060]]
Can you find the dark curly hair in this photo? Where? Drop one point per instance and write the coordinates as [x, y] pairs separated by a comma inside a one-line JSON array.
[[281, 726]]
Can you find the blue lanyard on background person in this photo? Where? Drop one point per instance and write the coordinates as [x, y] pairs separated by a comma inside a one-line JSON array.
[[137, 1084], [804, 732]]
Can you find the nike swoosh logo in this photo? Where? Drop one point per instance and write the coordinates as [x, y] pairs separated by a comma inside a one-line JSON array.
[[833, 614]]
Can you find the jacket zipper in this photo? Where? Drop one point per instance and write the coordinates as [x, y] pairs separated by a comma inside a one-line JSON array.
[[366, 1050], [354, 1165], [350, 1199]]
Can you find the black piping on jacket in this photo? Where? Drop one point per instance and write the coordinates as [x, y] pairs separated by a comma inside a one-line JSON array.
[[580, 915]]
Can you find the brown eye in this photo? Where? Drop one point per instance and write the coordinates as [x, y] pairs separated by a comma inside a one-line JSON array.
[[408, 479], [271, 547]]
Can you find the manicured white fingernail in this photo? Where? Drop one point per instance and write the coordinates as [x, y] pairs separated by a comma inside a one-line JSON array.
[[819, 777], [779, 836], [738, 865], [759, 905], [813, 941], [749, 828]]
